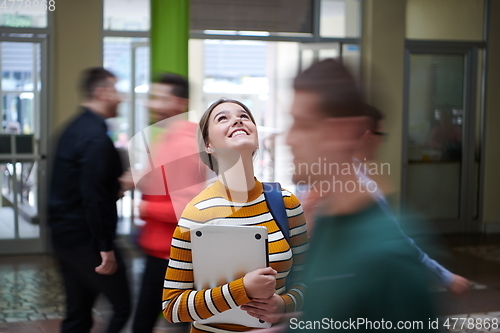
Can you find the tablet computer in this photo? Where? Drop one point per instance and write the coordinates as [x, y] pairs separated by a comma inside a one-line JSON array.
[[222, 254]]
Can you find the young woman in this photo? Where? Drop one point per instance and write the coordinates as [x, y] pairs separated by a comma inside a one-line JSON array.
[[228, 142]]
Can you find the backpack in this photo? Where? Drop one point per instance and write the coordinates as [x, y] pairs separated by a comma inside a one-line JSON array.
[[274, 200]]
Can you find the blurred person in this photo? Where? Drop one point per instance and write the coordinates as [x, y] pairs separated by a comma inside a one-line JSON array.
[[228, 142], [166, 190], [372, 273], [82, 208], [365, 153]]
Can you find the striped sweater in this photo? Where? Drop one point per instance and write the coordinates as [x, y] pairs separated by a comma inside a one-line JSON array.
[[181, 303]]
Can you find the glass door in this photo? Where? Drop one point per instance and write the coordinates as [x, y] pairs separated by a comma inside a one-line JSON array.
[[441, 159], [22, 170]]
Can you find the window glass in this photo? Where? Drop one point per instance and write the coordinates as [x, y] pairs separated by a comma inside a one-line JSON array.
[[132, 15], [290, 16], [20, 63], [435, 123], [340, 18], [24, 14]]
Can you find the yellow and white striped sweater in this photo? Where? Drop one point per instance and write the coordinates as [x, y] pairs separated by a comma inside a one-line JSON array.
[[181, 303]]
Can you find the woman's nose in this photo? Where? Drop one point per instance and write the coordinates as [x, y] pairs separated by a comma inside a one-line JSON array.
[[238, 120]]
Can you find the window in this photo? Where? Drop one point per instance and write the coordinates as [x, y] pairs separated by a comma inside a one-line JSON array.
[[130, 15]]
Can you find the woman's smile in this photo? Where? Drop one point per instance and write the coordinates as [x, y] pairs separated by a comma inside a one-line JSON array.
[[238, 132]]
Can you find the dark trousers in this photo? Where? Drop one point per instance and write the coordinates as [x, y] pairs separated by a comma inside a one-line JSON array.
[[82, 285], [150, 296]]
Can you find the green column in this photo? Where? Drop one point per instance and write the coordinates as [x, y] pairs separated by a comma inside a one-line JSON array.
[[169, 36]]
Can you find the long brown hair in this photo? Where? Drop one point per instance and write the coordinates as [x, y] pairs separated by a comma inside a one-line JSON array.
[[206, 158]]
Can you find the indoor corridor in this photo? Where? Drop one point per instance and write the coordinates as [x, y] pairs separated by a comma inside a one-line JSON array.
[[32, 300]]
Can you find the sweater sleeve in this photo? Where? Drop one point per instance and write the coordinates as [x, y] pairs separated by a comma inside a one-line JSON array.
[[294, 296], [181, 303]]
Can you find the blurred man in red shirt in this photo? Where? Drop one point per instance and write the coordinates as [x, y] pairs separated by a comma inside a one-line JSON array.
[[177, 176]]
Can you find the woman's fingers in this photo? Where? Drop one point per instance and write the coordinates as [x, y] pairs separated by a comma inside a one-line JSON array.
[[249, 307], [265, 316]]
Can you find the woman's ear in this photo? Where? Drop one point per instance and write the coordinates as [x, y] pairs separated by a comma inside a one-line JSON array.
[[208, 150]]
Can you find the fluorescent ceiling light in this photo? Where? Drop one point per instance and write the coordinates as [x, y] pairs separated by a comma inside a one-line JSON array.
[[220, 32], [253, 33]]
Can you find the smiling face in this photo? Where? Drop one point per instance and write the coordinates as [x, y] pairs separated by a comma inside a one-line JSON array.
[[231, 127]]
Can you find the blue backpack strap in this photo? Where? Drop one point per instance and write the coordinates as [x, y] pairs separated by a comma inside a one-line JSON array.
[[274, 200]]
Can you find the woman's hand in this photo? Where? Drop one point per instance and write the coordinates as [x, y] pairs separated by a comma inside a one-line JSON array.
[[269, 309], [260, 283]]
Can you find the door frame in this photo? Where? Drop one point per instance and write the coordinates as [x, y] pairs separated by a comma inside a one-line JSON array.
[[466, 222]]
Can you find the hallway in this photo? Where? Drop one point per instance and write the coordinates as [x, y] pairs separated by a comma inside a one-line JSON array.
[[32, 301]]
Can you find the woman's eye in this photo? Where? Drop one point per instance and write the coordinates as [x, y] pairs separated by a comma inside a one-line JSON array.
[[221, 118], [244, 116]]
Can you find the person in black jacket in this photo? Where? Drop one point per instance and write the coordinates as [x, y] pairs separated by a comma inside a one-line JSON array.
[[82, 208]]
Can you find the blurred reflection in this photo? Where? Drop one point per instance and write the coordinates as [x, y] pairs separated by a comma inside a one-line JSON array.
[[446, 136], [435, 125]]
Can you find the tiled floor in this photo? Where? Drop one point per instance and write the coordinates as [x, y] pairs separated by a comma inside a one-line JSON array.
[[30, 294], [31, 298]]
